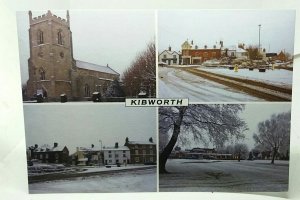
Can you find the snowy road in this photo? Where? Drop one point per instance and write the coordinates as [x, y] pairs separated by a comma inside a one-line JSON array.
[[224, 176], [176, 83], [129, 181]]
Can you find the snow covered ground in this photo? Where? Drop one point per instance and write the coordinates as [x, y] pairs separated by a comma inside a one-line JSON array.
[[277, 76], [176, 83], [224, 176], [129, 181]]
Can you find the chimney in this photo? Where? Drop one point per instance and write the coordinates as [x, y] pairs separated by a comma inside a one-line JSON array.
[[215, 46], [36, 146], [92, 145], [151, 139], [205, 46], [116, 145], [221, 43], [196, 47], [170, 49], [192, 42], [55, 144]]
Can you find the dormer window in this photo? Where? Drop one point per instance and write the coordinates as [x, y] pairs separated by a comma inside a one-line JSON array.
[[40, 37]]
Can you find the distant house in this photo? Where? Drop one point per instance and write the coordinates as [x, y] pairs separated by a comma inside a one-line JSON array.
[[193, 55], [169, 57], [141, 151], [87, 156], [234, 52], [271, 56], [281, 56], [47, 154], [116, 154]]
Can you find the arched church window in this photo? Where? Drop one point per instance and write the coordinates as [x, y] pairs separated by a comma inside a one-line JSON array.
[[42, 74], [40, 37], [87, 92], [59, 37]]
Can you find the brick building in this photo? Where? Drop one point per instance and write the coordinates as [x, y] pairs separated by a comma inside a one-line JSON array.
[[53, 70], [47, 154], [141, 151], [194, 56]]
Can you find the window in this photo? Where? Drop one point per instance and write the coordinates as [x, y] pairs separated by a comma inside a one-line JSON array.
[[110, 161], [117, 155], [98, 87], [117, 161], [109, 151], [47, 156], [124, 151], [205, 54], [136, 151], [165, 56], [151, 146], [109, 155], [40, 37], [144, 152], [136, 146], [41, 156], [151, 151], [151, 159], [87, 92], [137, 159], [124, 155], [42, 74], [174, 56], [59, 37]]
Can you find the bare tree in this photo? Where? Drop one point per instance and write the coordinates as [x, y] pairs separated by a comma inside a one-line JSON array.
[[274, 134], [241, 151], [142, 73], [253, 53], [215, 123]]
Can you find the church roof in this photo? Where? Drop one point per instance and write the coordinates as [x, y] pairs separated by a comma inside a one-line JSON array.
[[95, 67]]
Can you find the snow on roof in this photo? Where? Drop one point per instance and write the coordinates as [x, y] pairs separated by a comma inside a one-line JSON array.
[[169, 52], [141, 142], [121, 148], [47, 149], [95, 67], [240, 50], [89, 149]]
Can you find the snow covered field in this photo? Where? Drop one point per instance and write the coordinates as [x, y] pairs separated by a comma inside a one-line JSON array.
[[224, 176], [129, 181], [277, 76], [176, 83]]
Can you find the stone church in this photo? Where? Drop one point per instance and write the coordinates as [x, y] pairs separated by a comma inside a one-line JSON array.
[[53, 70]]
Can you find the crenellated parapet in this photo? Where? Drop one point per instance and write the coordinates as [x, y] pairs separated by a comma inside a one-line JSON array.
[[48, 17]]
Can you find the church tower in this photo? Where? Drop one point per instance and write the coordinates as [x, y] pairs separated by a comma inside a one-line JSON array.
[[51, 56]]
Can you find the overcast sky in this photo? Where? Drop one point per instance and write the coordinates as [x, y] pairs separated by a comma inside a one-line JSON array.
[[253, 114], [207, 27], [100, 37], [75, 124]]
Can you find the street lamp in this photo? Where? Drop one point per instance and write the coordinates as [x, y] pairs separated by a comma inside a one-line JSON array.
[[259, 27]]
